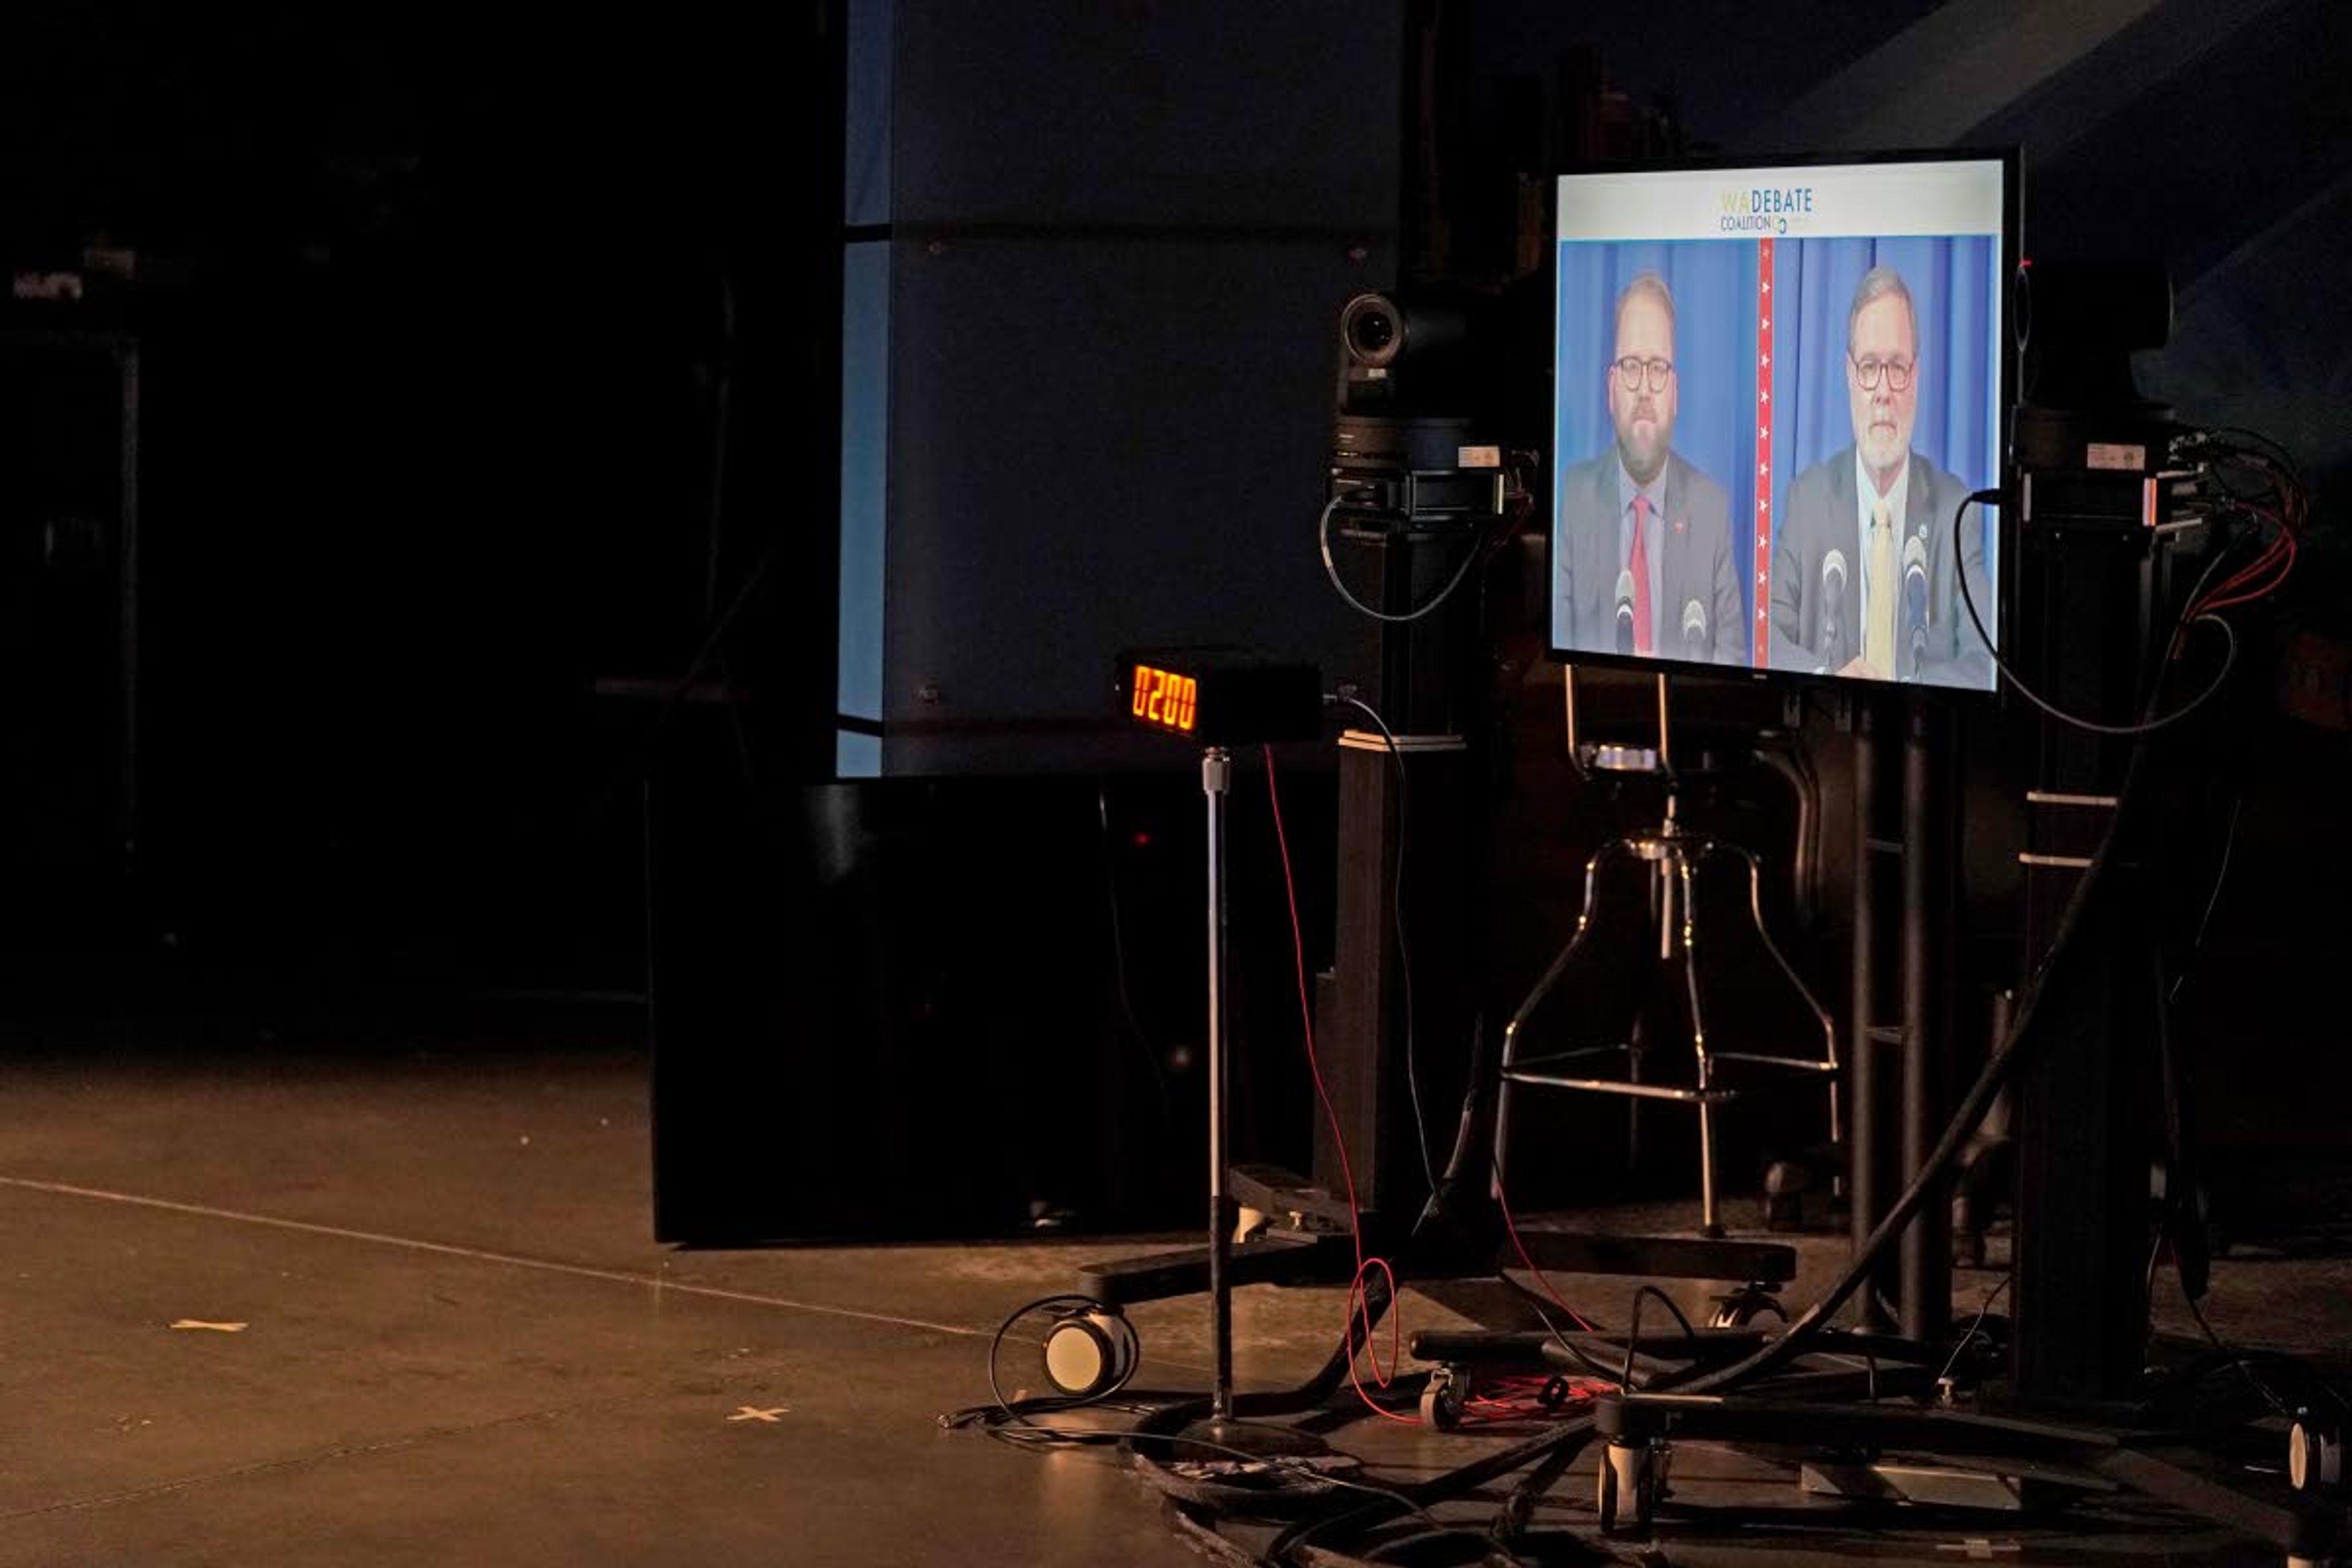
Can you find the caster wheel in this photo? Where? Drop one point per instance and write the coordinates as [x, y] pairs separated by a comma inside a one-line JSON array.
[[2315, 1457], [1090, 1353], [1743, 1307], [1968, 1248], [1626, 1478], [1441, 1400], [1785, 1185]]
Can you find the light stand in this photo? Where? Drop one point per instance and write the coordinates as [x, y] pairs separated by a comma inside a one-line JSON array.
[[1919, 1038], [1930, 918], [2111, 528]]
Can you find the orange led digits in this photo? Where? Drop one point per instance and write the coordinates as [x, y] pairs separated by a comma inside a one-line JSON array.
[[1165, 698], [1219, 697]]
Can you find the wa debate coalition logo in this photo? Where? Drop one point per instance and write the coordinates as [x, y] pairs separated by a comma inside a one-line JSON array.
[[1767, 209]]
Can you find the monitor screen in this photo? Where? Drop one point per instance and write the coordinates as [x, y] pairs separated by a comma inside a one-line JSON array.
[[1775, 386]]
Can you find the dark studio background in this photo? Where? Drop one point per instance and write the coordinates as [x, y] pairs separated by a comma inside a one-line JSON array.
[[491, 373], [434, 316]]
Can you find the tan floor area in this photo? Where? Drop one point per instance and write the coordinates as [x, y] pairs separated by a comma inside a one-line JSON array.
[[402, 1306]]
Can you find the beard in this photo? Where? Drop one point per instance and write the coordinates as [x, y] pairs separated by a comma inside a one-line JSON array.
[[1883, 442], [1644, 453]]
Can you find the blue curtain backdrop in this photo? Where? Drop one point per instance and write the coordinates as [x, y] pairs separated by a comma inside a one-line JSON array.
[[1714, 285], [1954, 283]]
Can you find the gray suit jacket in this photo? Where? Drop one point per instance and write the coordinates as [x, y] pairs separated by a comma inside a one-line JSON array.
[[1821, 515], [1696, 565]]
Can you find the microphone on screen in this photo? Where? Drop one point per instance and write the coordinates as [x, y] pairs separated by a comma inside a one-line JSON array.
[[1832, 602], [1915, 598]]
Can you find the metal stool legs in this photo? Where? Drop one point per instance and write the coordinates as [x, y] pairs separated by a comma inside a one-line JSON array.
[[1675, 858]]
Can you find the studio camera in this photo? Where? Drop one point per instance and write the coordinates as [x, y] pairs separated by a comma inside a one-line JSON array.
[[2078, 324], [1413, 440]]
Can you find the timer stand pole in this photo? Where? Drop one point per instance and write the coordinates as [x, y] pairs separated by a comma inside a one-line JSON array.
[[1221, 1428], [1216, 778], [1226, 698]]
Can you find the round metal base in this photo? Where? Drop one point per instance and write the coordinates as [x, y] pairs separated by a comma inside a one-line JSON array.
[[1624, 759], [1258, 1440]]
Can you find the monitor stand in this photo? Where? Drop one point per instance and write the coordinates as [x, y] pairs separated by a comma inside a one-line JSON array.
[[1302, 1233]]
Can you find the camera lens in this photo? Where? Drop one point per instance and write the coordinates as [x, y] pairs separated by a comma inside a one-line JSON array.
[[1371, 331]]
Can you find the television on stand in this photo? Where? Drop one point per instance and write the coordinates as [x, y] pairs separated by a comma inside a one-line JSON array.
[[1776, 384]]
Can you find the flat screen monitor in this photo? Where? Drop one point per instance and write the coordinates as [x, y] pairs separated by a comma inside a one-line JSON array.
[[1775, 385]]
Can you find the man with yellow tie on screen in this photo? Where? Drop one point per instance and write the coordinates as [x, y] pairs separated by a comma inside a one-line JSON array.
[[1863, 576]]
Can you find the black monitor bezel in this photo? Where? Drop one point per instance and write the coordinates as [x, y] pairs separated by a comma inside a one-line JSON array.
[[2010, 160]]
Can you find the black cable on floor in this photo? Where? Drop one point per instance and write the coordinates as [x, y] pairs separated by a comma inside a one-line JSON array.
[[1554, 1451], [1999, 1065]]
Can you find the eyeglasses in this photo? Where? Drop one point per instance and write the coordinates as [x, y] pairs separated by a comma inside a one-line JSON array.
[[1629, 371], [1867, 371]]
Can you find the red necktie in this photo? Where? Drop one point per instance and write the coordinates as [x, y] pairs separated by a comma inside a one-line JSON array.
[[1639, 567]]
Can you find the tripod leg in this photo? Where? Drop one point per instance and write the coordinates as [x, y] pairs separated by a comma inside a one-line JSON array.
[[1637, 1040], [1764, 934], [1709, 1223], [2184, 1206], [1525, 1010]]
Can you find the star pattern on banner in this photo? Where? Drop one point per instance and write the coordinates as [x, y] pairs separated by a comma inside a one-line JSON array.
[[1761, 642]]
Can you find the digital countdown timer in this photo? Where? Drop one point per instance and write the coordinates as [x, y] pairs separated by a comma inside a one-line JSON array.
[[1164, 700], [1219, 696]]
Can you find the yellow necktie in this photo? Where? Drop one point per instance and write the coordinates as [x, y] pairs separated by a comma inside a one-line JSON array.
[[1878, 630]]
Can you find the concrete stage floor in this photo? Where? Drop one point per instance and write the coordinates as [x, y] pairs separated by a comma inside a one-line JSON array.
[[396, 1302]]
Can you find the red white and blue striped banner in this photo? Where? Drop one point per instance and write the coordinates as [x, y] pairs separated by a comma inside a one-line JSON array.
[[1761, 641]]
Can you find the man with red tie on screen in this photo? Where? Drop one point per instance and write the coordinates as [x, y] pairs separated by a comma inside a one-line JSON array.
[[1863, 580], [1645, 538]]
